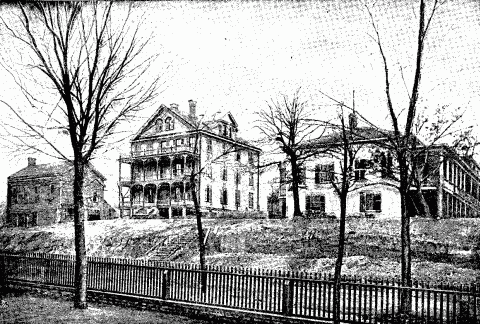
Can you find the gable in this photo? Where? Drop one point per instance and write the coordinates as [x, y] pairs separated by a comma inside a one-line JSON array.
[[164, 121]]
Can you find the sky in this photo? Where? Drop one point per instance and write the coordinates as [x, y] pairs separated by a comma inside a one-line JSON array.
[[236, 56]]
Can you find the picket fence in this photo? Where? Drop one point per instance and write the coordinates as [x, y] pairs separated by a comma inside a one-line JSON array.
[[288, 293]]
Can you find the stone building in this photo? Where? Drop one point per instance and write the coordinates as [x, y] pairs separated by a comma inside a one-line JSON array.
[[42, 194], [156, 183], [450, 183]]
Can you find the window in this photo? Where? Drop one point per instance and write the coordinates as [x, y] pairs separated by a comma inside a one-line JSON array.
[[250, 199], [224, 174], [209, 145], [219, 129], [158, 125], [178, 169], [361, 167], [250, 158], [224, 130], [95, 197], [37, 196], [150, 148], [52, 189], [370, 201], [302, 175], [224, 197], [230, 132], [250, 180], [237, 178], [191, 141], [239, 156], [168, 123], [208, 171], [208, 194], [315, 204], [324, 173], [237, 198]]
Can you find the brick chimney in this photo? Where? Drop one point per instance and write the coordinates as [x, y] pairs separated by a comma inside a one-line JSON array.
[[193, 108], [174, 106], [32, 161]]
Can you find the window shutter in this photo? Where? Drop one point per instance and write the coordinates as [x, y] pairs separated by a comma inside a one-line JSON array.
[[362, 202], [377, 202], [307, 202], [317, 174], [322, 204]]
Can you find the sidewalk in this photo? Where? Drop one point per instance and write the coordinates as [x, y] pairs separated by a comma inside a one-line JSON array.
[[30, 309]]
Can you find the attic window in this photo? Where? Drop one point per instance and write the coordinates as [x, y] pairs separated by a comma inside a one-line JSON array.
[[167, 123], [158, 125], [220, 129]]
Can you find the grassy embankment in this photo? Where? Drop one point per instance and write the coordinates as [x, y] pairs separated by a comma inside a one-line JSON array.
[[442, 249]]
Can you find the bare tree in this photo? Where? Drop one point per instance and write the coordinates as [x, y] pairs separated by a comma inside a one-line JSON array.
[[286, 124], [201, 129], [404, 140], [89, 61]]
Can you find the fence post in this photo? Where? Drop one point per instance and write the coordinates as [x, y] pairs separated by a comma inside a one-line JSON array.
[[165, 284], [287, 300]]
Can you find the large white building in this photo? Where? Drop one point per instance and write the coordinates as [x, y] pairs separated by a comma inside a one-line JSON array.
[[450, 184], [156, 183]]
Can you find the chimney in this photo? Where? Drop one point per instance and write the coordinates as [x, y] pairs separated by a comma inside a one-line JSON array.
[[193, 108], [352, 121], [32, 161], [174, 106]]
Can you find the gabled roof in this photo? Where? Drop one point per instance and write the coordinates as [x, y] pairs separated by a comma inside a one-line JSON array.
[[187, 120], [49, 170], [360, 134], [41, 170], [228, 118]]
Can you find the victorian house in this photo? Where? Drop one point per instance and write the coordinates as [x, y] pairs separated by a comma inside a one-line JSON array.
[[174, 149], [42, 194], [449, 183]]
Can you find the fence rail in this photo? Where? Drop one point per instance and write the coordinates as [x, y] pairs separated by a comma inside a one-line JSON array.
[[308, 295]]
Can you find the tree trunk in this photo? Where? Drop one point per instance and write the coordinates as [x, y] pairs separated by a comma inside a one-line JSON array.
[[295, 182], [201, 242], [425, 209], [406, 257], [80, 250], [339, 262]]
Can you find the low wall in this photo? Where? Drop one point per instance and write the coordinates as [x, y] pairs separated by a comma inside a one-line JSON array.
[[203, 312]]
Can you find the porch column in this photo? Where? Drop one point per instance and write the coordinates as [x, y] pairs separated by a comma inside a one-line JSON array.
[[171, 170], [184, 164], [441, 179], [170, 199]]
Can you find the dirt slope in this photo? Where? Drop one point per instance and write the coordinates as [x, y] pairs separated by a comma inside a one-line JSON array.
[[442, 249]]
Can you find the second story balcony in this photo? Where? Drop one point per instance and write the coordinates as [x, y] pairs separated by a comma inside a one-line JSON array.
[[161, 151]]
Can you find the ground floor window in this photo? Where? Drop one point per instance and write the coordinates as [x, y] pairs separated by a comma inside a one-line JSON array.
[[315, 204], [237, 198], [224, 197], [250, 199], [370, 201]]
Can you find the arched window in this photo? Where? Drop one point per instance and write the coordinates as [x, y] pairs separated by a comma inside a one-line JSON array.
[[159, 125], [167, 123]]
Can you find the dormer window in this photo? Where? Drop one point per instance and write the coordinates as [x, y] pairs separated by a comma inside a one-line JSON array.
[[159, 125], [230, 132], [224, 130], [219, 129]]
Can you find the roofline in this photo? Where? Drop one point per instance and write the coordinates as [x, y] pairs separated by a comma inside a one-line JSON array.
[[201, 131]]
